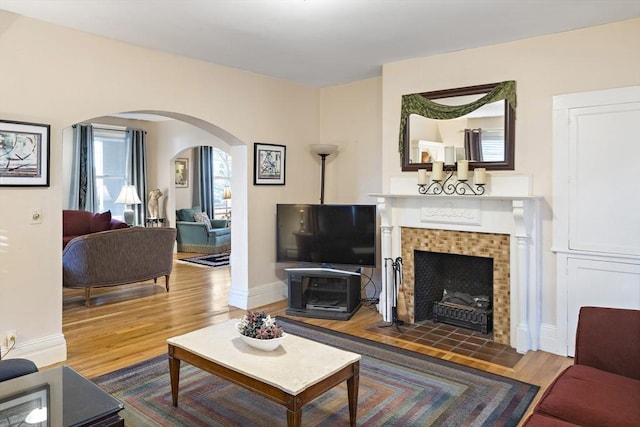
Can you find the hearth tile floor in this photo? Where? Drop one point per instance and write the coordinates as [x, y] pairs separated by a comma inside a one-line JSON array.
[[454, 339]]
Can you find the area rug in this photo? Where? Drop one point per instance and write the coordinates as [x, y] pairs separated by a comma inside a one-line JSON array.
[[215, 260], [397, 388]]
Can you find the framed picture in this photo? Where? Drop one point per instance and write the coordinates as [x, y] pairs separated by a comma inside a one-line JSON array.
[[24, 154], [269, 164], [30, 407], [182, 173]]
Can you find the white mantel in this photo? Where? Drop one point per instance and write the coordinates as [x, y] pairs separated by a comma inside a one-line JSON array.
[[506, 208]]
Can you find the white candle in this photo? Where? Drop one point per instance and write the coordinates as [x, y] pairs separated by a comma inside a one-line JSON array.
[[463, 170], [436, 173], [480, 176], [422, 176], [449, 155]]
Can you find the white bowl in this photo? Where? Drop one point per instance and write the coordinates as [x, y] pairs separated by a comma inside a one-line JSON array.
[[264, 345]]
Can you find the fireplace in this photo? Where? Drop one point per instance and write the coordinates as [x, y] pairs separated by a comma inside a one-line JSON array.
[[455, 289], [503, 224], [479, 251]]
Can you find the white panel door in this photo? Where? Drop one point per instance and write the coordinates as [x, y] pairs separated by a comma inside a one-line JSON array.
[[604, 199], [596, 204]]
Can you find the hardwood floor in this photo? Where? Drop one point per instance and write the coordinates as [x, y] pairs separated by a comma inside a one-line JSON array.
[[129, 324]]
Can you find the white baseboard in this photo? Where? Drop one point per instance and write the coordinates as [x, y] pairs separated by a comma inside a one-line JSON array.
[[258, 296], [549, 340], [267, 294], [43, 351], [238, 298]]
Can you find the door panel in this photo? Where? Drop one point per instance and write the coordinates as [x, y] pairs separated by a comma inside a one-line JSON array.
[[604, 200]]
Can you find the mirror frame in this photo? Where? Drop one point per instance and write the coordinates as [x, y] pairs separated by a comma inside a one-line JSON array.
[[509, 130]]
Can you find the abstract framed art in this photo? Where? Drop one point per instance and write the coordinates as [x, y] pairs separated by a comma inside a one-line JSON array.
[[24, 154], [269, 164]]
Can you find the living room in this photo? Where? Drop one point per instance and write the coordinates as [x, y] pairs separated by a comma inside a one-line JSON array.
[[242, 108]]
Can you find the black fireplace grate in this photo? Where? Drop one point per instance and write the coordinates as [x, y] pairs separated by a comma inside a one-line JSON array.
[[476, 319], [434, 272]]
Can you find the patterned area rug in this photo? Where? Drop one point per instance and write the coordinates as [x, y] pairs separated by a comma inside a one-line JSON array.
[[215, 260], [397, 388]]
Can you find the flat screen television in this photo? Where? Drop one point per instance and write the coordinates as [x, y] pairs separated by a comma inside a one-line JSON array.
[[326, 234]]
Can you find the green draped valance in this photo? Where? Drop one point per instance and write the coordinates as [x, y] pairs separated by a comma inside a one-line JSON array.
[[415, 103]]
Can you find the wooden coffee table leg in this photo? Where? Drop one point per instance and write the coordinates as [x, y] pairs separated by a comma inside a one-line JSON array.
[[352, 393], [294, 418], [174, 374], [294, 411]]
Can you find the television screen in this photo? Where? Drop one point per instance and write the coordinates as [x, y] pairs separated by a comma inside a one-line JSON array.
[[326, 234]]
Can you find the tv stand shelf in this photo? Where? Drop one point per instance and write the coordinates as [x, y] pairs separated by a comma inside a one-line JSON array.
[[323, 293]]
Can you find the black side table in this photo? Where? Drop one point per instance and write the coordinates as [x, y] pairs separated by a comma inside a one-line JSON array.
[[69, 398], [154, 222]]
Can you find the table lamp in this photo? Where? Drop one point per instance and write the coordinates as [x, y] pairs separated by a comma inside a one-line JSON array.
[[128, 196]]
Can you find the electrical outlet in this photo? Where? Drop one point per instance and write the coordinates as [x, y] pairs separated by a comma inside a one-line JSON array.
[[10, 338]]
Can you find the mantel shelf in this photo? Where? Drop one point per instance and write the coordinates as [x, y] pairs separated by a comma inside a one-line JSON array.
[[452, 196]]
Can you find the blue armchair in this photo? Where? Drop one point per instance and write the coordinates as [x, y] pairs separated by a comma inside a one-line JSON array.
[[205, 236]]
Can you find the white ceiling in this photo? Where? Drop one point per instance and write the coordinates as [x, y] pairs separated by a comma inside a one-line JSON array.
[[320, 42]]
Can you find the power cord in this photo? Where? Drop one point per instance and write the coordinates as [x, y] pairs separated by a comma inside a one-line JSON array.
[[369, 302], [366, 285], [10, 345]]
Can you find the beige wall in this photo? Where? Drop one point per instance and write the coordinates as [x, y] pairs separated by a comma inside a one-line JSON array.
[[600, 57], [53, 75], [350, 116]]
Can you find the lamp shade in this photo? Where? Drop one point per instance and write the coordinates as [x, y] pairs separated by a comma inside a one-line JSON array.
[[128, 196], [227, 193], [37, 416], [323, 149]]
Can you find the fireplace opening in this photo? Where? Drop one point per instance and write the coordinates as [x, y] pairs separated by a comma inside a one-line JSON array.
[[455, 289]]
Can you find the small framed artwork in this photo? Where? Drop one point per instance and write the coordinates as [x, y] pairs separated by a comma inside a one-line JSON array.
[[24, 154], [269, 164], [29, 407], [182, 173]]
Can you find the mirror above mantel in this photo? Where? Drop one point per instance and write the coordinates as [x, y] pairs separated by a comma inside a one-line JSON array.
[[479, 121]]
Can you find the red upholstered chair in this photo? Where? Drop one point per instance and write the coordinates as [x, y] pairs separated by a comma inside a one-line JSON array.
[[602, 388]]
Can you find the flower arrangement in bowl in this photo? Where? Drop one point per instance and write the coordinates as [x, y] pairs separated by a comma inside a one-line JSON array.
[[260, 331]]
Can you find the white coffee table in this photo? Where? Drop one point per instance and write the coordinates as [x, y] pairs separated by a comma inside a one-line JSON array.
[[298, 371]]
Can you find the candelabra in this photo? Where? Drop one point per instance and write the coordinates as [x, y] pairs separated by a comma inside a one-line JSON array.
[[460, 186]]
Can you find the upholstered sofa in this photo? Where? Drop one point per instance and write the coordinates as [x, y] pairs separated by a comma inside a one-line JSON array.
[[602, 387], [198, 233], [78, 223], [118, 257]]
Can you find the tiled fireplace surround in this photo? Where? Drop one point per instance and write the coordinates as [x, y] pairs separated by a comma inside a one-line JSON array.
[[502, 224], [489, 245]]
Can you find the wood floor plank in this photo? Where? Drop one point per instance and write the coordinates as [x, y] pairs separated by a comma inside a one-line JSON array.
[[129, 324]]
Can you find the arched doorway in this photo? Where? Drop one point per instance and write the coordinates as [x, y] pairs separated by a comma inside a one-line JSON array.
[[166, 150]]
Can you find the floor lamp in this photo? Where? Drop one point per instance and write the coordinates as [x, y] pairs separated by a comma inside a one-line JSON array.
[[128, 196], [323, 150], [226, 195]]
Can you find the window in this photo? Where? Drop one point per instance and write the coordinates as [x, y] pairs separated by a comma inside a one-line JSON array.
[[492, 145], [221, 179], [110, 160]]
